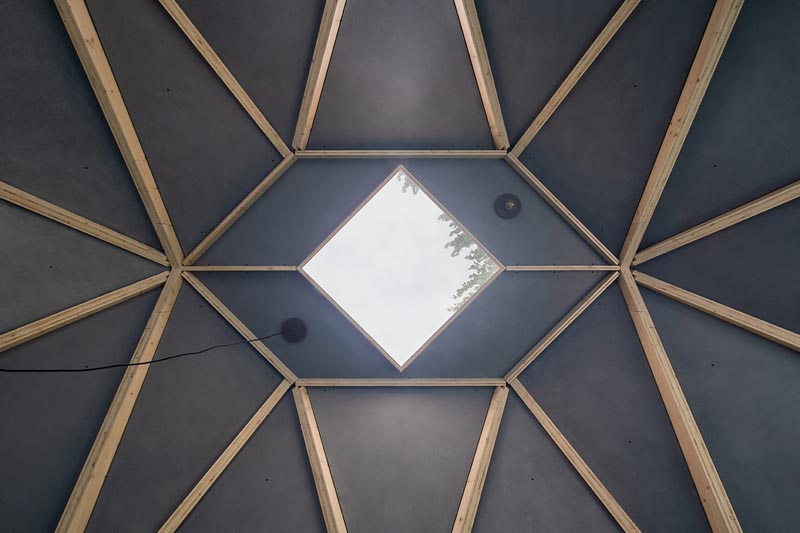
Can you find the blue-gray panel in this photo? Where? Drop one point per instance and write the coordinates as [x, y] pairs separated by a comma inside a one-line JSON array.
[[400, 77], [751, 266], [400, 457], [743, 143], [744, 392], [205, 151], [532, 46], [187, 412], [267, 45], [531, 486], [48, 267], [50, 421], [597, 150], [267, 487], [54, 141], [596, 385]]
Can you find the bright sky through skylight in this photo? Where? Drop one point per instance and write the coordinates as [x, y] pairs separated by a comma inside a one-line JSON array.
[[389, 269]]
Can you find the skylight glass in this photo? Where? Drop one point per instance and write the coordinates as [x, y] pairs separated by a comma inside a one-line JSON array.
[[400, 268]]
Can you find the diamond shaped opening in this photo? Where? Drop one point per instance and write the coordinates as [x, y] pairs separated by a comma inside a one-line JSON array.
[[401, 268]]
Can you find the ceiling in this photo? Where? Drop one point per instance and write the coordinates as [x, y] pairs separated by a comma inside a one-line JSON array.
[[400, 80]]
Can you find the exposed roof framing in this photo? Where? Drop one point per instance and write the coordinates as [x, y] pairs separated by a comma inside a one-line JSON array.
[[84, 37], [719, 28], [400, 382], [411, 154]]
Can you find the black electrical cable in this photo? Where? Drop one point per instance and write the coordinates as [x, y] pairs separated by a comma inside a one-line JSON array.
[[125, 365]]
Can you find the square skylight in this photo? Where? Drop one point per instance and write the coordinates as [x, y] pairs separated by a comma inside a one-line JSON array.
[[400, 268]]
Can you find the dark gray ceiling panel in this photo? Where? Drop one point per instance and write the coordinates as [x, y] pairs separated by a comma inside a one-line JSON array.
[[50, 421], [751, 266], [400, 77], [48, 267], [743, 391], [532, 46], [267, 46], [597, 150], [54, 140], [186, 414], [596, 385], [400, 457], [531, 486], [743, 143], [267, 487], [206, 153]]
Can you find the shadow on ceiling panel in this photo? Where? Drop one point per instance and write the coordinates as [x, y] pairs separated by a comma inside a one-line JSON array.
[[743, 143], [48, 267], [186, 414], [400, 457], [743, 391], [267, 45], [532, 46], [400, 78], [596, 152], [206, 153], [51, 420], [751, 266], [531, 486], [55, 141], [595, 384], [267, 487]]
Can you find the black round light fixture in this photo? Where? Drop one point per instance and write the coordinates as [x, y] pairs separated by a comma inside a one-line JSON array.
[[507, 206], [293, 330]]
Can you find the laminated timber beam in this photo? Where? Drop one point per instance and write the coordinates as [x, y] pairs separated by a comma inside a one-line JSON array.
[[716, 504], [84, 37], [400, 154], [719, 28], [90, 481], [400, 382]]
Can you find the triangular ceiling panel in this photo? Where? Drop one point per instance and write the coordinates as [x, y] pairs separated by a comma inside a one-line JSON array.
[[596, 385], [49, 267], [186, 414], [400, 77], [743, 143], [55, 141], [743, 391], [751, 266], [531, 486], [267, 46], [50, 421], [206, 153], [268, 486], [596, 152], [395, 472], [532, 46]]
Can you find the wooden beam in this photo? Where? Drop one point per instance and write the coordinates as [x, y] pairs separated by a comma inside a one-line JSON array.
[[562, 268], [400, 154], [718, 508], [87, 44], [468, 508], [400, 382], [740, 214], [716, 35], [323, 480], [84, 495], [594, 483], [577, 72], [476, 47], [239, 326], [239, 210], [213, 60], [556, 204], [323, 50], [752, 324], [559, 328], [204, 485], [44, 208], [35, 329], [240, 268]]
